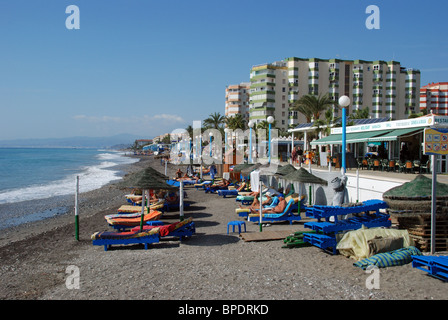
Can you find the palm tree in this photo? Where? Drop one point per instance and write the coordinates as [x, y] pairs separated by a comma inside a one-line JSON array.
[[360, 114], [326, 123], [264, 125], [235, 122], [312, 106], [215, 121], [189, 129]]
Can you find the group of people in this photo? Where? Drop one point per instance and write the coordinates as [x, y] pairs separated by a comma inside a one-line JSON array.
[[275, 202], [297, 155]]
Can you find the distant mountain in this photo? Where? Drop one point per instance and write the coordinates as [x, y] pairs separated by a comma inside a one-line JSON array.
[[74, 142]]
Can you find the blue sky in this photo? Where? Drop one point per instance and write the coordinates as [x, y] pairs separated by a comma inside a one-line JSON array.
[[148, 67]]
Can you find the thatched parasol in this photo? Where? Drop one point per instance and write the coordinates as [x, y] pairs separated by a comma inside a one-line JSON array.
[[415, 196], [146, 179], [247, 170], [284, 170], [149, 177], [237, 168], [302, 175]]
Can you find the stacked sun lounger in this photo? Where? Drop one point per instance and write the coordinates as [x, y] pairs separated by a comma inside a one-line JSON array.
[[366, 215], [435, 266]]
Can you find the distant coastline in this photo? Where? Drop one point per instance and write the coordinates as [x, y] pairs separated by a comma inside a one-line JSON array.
[[117, 142]]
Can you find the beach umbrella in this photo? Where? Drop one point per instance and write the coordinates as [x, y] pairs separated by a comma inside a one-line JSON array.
[[284, 170], [146, 179], [237, 168], [302, 176], [415, 196]]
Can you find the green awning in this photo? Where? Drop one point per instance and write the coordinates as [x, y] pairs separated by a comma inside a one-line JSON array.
[[354, 137], [331, 139], [394, 134]]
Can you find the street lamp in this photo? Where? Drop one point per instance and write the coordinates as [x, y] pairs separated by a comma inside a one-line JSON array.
[[270, 121], [210, 145], [226, 130], [344, 102], [250, 124]]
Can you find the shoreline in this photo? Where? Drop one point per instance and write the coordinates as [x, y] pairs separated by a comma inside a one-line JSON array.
[[212, 265], [87, 201]]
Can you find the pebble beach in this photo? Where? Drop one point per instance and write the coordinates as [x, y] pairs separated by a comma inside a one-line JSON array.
[[211, 265]]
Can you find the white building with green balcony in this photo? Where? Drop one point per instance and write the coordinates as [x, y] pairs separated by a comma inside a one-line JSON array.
[[386, 88]]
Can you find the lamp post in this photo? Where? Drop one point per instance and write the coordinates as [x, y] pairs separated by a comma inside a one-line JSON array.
[[270, 121], [225, 144], [250, 124], [344, 102], [210, 144]]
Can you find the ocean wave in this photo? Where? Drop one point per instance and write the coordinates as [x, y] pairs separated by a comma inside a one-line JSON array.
[[90, 178]]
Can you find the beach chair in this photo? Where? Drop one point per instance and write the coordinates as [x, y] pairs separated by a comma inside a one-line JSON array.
[[325, 212], [182, 229], [107, 239], [202, 185], [286, 215], [149, 234], [122, 222]]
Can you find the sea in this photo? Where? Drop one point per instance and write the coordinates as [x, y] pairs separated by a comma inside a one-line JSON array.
[[36, 183]]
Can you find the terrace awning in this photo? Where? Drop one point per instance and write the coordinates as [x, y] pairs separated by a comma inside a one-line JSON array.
[[354, 137], [394, 134]]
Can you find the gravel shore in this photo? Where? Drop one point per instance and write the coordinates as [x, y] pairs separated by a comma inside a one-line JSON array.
[[211, 265]]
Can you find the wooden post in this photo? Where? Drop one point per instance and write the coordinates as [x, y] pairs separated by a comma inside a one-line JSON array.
[[76, 210]]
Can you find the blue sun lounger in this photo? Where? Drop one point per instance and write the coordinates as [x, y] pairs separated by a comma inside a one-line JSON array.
[[325, 212], [148, 235], [286, 215], [226, 193], [436, 266]]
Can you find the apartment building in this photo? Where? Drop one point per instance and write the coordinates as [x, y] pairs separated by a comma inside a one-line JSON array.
[[387, 88], [237, 100], [434, 98], [269, 93]]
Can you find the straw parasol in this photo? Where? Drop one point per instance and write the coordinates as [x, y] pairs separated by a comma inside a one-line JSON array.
[[303, 176], [146, 179], [284, 170], [415, 195], [237, 168]]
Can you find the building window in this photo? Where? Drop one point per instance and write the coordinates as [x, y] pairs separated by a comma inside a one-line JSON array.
[[283, 106], [283, 89]]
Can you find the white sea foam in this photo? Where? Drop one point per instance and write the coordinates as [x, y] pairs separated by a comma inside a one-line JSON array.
[[90, 178]]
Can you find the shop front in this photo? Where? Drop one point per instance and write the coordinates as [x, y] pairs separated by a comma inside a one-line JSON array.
[[400, 141]]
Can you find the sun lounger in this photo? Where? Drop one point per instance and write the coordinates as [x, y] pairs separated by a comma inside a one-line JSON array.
[[436, 266], [353, 223], [319, 212], [181, 229], [125, 222], [107, 239], [132, 198], [202, 185], [149, 234], [286, 215]]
